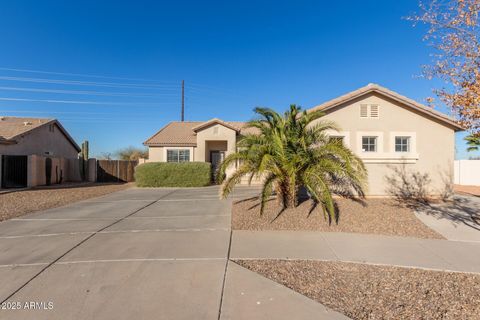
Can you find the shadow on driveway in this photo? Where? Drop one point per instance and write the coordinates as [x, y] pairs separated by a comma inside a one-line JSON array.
[[461, 210]]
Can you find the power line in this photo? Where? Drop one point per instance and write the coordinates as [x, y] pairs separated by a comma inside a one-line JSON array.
[[84, 102], [88, 119], [67, 113], [108, 120], [82, 75], [54, 112], [196, 86], [210, 91], [171, 84], [198, 92], [94, 93], [89, 83]]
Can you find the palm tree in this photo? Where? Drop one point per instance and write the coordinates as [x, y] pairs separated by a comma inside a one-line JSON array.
[[292, 152], [473, 142]]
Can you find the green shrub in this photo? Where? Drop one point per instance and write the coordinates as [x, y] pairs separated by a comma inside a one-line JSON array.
[[169, 174]]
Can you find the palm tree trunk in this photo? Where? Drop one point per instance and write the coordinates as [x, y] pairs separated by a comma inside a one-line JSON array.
[[288, 195]]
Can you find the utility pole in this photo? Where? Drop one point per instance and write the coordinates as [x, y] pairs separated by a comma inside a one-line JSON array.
[[183, 100]]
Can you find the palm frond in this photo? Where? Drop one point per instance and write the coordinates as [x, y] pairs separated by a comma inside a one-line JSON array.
[[473, 142], [292, 151], [233, 180]]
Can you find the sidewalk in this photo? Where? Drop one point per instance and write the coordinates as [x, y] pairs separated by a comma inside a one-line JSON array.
[[139, 253], [249, 295], [348, 247]]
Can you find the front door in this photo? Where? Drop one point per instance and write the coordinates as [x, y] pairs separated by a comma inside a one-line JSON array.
[[216, 158]]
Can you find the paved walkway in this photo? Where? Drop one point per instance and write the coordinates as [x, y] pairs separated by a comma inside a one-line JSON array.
[[164, 254], [458, 220], [249, 296], [362, 248], [137, 254]]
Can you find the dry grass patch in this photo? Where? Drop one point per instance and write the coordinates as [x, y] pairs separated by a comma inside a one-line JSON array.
[[377, 292], [19, 203], [376, 216]]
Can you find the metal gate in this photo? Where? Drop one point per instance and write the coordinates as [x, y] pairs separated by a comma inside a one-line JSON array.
[[14, 171], [115, 170]]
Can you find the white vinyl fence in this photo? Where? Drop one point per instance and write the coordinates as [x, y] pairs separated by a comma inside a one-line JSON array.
[[467, 172]]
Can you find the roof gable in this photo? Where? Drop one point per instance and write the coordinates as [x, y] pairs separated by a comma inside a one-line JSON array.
[[374, 88], [183, 134], [11, 128], [212, 122]]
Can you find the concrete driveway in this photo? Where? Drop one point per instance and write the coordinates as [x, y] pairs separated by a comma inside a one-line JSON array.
[[457, 220], [115, 256], [138, 253]]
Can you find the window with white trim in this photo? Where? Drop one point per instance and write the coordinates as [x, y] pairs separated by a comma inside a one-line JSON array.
[[402, 144], [178, 155], [369, 144]]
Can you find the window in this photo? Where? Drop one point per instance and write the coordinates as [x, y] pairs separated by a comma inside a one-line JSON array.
[[369, 144], [369, 111], [51, 127], [178, 155], [402, 144], [172, 155], [336, 139], [183, 155]]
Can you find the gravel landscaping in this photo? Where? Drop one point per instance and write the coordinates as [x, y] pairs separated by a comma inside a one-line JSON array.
[[377, 292], [377, 216], [19, 203]]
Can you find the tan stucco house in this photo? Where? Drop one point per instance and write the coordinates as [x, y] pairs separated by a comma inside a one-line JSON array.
[[384, 128], [40, 143]]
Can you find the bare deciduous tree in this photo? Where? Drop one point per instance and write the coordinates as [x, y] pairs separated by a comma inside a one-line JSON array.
[[454, 34], [132, 153], [105, 156]]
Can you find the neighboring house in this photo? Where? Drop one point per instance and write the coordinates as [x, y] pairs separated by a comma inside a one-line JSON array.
[[384, 128], [43, 143]]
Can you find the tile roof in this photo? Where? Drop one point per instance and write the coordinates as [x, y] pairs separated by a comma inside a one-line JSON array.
[[5, 141], [372, 87], [13, 127], [214, 121], [179, 133], [183, 133]]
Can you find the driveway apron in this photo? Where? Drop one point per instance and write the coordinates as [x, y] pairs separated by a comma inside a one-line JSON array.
[[457, 220], [138, 253]]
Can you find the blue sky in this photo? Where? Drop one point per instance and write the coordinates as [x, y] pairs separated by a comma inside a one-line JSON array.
[[233, 56]]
